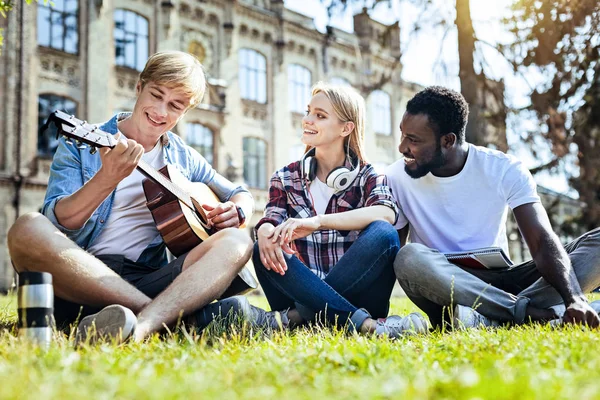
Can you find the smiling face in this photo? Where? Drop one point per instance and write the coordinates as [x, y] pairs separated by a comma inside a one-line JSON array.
[[321, 126], [420, 146], [159, 108]]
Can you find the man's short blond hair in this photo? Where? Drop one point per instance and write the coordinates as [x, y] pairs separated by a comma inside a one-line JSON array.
[[176, 69]]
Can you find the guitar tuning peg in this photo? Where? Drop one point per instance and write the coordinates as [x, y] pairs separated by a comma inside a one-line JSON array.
[[68, 140], [80, 145], [93, 150]]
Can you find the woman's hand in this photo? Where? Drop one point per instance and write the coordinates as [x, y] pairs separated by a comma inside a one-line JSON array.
[[294, 228], [271, 253]]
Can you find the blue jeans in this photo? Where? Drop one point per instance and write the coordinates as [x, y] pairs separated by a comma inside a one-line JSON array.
[[357, 287]]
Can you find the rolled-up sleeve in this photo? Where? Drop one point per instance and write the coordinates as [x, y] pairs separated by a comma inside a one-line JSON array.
[[276, 208], [378, 193], [65, 179]]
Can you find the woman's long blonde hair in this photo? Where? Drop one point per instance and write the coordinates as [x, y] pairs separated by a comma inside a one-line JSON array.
[[349, 106]]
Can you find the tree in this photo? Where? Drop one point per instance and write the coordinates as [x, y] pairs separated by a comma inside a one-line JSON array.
[[5, 7], [561, 40], [487, 117]]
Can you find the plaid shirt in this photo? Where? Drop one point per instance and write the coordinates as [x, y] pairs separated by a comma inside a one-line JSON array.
[[289, 198]]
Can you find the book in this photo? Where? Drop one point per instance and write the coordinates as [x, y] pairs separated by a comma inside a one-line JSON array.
[[487, 257]]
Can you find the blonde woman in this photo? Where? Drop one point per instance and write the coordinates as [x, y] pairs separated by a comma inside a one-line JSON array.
[[326, 244]]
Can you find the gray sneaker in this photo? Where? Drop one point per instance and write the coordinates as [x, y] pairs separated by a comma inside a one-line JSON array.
[[237, 309], [113, 323], [465, 317], [395, 326]]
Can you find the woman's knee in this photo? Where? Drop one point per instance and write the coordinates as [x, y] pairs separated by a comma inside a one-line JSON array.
[[382, 233]]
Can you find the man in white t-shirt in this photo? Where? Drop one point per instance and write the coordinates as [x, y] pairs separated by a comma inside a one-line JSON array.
[[455, 196], [98, 239]]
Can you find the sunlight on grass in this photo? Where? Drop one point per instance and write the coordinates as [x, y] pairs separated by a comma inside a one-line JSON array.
[[518, 363]]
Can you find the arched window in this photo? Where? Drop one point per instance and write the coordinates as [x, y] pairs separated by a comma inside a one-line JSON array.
[[336, 80], [57, 25], [382, 112], [201, 138], [253, 75], [299, 83], [131, 39], [255, 162], [47, 104]]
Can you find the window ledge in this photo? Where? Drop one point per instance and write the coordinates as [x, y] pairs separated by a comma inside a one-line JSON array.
[[254, 110], [51, 51]]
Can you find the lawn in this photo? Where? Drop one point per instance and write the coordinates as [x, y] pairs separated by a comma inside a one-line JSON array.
[[517, 363]]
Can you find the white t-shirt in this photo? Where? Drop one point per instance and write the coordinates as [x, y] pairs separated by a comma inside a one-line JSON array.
[[466, 211], [130, 227], [321, 194]]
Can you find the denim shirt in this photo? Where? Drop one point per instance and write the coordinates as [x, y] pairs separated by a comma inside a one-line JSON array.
[[72, 168]]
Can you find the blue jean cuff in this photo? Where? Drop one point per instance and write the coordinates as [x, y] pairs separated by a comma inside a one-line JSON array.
[[306, 313], [357, 319], [521, 309]]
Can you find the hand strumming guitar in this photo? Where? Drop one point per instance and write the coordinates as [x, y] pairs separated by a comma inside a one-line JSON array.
[[224, 215]]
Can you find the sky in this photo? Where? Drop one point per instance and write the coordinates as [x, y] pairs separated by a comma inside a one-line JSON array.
[[430, 56]]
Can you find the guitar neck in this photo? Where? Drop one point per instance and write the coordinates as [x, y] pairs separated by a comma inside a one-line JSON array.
[[163, 181], [82, 132]]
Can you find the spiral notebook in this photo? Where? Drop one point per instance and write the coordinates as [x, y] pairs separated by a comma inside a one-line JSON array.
[[487, 257]]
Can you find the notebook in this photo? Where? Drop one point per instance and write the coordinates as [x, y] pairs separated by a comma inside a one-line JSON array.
[[487, 257]]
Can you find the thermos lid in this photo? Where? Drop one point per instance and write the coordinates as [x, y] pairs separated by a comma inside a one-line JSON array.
[[34, 278]]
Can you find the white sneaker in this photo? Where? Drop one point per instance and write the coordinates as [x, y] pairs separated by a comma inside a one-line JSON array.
[[465, 317], [395, 326], [113, 323]]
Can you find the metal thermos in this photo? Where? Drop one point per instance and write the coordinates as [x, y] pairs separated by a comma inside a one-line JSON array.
[[36, 307]]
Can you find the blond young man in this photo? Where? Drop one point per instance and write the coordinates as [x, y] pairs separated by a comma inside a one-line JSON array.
[[98, 239]]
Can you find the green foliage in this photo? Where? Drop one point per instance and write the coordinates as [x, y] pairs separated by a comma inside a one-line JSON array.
[[5, 7], [518, 363]]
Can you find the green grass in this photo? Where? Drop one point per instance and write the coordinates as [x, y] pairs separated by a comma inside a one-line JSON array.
[[517, 363]]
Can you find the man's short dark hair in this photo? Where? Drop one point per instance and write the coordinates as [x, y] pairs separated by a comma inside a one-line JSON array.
[[447, 110]]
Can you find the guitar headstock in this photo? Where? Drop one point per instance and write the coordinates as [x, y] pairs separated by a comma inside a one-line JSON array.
[[80, 131]]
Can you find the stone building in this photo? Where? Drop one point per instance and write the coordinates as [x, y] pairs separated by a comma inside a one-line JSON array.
[[84, 57]]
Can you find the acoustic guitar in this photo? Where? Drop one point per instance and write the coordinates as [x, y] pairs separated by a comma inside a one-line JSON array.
[[174, 202]]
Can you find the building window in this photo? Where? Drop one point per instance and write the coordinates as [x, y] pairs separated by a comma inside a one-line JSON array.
[[336, 80], [253, 76], [200, 138], [47, 104], [382, 112], [131, 39], [299, 83], [57, 25], [255, 163]]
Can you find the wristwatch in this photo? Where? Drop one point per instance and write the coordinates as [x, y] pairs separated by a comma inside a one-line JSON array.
[[241, 215]]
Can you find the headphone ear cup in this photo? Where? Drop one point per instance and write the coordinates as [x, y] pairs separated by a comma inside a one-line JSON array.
[[339, 179], [310, 168]]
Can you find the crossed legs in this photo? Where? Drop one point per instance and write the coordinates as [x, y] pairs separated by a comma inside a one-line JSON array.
[[516, 295], [80, 277]]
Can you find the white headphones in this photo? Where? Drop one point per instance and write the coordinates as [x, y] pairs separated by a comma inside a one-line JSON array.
[[339, 179]]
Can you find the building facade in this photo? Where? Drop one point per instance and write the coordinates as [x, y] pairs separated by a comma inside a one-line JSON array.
[[261, 59]]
